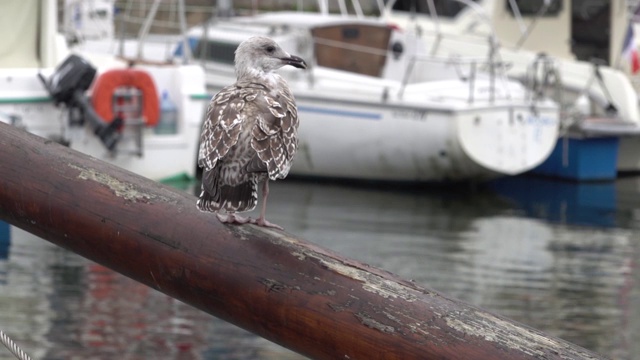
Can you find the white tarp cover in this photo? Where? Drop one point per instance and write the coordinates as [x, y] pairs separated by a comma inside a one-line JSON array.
[[19, 25]]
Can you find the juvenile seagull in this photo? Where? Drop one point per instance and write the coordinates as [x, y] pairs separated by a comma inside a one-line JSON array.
[[250, 134]]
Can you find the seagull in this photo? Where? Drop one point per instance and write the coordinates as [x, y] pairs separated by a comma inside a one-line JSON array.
[[250, 134]]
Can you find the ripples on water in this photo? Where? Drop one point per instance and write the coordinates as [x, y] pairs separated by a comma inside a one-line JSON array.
[[556, 256]]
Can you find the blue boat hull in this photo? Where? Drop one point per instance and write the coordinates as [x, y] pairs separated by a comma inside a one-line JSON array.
[[589, 159]]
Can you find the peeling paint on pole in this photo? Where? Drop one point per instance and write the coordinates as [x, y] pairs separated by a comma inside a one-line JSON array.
[[121, 189]]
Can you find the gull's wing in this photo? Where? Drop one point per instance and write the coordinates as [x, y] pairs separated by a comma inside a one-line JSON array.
[[275, 135], [221, 129]]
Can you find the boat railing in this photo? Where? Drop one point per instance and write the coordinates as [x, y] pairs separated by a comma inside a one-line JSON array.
[[477, 11], [493, 65], [151, 24], [543, 80], [466, 69], [177, 23], [576, 102], [542, 77], [525, 30], [325, 9]]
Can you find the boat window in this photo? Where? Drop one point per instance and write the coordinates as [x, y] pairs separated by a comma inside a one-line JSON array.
[[533, 7], [217, 51], [356, 48], [444, 8], [590, 29], [99, 14]]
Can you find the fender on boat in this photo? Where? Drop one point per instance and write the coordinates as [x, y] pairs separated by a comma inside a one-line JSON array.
[[109, 81]]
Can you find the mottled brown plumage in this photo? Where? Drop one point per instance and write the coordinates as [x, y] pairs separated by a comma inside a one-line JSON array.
[[250, 134]]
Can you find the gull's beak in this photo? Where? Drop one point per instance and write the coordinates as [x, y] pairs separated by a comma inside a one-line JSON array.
[[295, 61]]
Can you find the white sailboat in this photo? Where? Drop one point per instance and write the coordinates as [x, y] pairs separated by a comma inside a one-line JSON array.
[[368, 111], [589, 76]]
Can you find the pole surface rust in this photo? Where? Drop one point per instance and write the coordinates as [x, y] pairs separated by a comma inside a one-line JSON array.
[[287, 290]]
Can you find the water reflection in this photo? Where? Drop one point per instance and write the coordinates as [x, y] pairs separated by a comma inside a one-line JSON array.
[[5, 242], [557, 256], [590, 203], [57, 305]]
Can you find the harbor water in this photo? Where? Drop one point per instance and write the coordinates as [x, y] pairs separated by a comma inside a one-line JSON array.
[[558, 256]]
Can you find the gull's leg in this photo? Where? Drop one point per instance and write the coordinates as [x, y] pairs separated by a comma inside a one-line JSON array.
[[262, 221]]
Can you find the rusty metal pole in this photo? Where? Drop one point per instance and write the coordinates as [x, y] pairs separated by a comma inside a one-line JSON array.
[[289, 291]]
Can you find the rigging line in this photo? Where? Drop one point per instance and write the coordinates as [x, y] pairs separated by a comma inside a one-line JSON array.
[[15, 350]]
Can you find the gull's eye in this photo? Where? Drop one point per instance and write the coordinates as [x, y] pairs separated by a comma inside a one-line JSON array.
[[270, 49]]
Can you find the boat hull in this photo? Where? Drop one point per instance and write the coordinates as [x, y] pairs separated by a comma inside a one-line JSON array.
[[396, 122], [160, 155], [408, 144], [349, 137], [582, 159]]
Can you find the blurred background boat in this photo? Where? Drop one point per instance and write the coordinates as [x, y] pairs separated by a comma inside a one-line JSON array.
[[147, 118], [591, 74], [384, 117], [594, 56], [368, 110]]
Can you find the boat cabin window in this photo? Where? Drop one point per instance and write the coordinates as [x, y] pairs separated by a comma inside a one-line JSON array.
[[533, 7], [444, 8], [216, 51], [356, 48], [591, 29], [99, 14]]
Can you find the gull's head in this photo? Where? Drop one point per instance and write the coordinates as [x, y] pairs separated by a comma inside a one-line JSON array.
[[263, 55]]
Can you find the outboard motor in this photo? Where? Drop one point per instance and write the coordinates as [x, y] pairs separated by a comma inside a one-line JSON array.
[[68, 84]]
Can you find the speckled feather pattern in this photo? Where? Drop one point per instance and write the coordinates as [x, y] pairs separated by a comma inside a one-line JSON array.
[[251, 133]]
